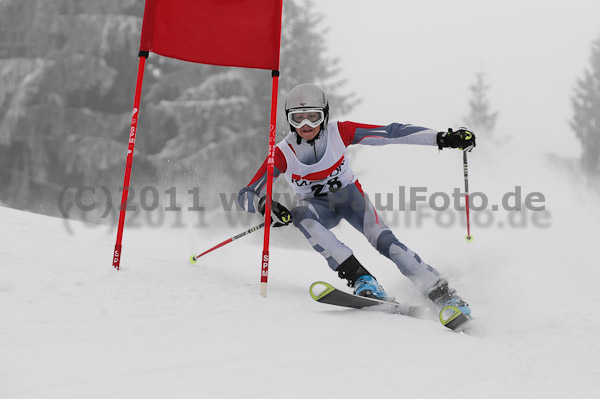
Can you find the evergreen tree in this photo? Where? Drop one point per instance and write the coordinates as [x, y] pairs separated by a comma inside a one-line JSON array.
[[481, 119], [223, 120], [66, 76], [67, 79], [304, 57], [586, 117]]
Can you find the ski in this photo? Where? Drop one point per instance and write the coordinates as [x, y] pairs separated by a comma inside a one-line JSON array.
[[450, 316], [454, 319], [324, 292]]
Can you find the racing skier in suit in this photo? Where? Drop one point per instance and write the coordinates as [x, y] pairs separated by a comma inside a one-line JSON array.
[[312, 157]]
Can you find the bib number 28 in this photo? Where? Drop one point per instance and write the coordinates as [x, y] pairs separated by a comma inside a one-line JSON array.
[[334, 185]]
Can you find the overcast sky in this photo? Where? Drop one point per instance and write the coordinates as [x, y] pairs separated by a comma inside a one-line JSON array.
[[413, 62]]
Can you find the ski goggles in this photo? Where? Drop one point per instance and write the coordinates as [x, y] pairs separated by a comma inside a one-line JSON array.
[[312, 117]]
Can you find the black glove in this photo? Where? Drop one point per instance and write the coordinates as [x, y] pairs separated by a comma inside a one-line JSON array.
[[280, 216], [462, 139]]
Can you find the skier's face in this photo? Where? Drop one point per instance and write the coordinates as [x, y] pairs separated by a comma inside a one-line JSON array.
[[308, 133]]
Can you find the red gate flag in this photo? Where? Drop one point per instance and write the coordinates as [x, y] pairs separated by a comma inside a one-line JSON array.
[[241, 33]]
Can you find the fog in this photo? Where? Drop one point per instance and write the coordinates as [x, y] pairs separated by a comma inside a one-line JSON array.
[[413, 62], [530, 275]]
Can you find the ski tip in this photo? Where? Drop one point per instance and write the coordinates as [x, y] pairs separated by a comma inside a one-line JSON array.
[[319, 289], [193, 260], [469, 239], [453, 318]]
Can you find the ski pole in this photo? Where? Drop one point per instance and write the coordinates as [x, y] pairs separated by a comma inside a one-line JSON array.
[[466, 172], [193, 258]]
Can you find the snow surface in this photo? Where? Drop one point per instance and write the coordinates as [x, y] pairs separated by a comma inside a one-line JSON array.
[[72, 327]]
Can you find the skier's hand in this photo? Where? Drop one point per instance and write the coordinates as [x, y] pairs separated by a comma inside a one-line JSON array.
[[463, 139], [280, 216]]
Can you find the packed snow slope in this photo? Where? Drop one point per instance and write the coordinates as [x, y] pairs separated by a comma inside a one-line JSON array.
[[73, 327]]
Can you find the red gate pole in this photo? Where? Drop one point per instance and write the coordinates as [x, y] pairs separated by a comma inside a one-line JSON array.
[[264, 274], [132, 131]]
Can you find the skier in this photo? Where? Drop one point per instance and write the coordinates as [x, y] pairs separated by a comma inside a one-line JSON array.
[[312, 158]]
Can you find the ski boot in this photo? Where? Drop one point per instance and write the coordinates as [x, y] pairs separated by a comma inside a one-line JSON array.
[[361, 280], [453, 310], [367, 286]]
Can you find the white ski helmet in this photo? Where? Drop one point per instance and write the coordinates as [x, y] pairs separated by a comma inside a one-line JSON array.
[[307, 96]]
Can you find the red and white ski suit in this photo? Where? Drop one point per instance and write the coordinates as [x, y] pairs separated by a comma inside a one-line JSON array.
[[327, 191]]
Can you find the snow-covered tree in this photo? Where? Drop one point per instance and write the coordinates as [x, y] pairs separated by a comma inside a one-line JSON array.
[[586, 109], [480, 118], [305, 58], [223, 118], [67, 79], [66, 84]]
